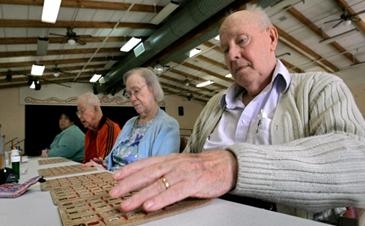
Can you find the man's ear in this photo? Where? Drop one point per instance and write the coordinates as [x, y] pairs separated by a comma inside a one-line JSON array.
[[274, 37]]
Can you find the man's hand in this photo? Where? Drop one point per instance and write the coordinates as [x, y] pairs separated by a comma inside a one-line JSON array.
[[95, 162], [161, 181]]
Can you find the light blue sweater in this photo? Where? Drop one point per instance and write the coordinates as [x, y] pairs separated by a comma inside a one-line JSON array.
[[161, 138]]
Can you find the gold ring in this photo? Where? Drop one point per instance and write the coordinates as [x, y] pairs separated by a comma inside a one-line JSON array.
[[165, 182]]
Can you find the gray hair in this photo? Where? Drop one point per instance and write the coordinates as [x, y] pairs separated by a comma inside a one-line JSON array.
[[151, 80], [89, 99], [264, 19]]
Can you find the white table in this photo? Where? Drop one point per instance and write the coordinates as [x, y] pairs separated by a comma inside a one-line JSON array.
[[35, 208]]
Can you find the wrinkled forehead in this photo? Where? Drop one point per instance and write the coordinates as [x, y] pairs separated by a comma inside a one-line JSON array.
[[135, 80]]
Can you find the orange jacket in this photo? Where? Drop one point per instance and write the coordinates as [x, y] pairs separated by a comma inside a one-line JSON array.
[[99, 143]]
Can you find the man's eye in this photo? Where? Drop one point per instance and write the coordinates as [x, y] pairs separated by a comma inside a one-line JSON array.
[[243, 40]]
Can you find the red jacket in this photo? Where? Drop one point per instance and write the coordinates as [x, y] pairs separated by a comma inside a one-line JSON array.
[[99, 143]]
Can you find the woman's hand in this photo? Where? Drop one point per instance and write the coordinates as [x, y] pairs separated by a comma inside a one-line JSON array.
[[161, 181], [44, 153]]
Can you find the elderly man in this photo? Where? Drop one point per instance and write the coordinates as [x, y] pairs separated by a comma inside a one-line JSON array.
[[102, 132], [293, 139]]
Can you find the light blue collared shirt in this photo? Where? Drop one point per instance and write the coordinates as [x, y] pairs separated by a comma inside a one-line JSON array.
[[251, 123]]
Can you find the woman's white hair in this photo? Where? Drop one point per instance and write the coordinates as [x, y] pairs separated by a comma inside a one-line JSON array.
[[151, 80]]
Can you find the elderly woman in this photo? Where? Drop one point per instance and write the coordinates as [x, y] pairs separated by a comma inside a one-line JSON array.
[[69, 143], [153, 132]]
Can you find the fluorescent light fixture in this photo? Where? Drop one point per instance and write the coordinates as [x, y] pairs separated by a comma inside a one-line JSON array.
[[32, 86], [229, 75], [95, 78], [194, 52], [206, 83], [167, 10], [37, 70], [130, 44], [338, 36], [50, 10]]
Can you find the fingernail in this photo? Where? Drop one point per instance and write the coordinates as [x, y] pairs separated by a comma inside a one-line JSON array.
[[148, 205], [113, 192], [125, 204]]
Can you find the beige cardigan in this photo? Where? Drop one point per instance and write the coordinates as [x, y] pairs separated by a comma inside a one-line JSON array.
[[317, 157]]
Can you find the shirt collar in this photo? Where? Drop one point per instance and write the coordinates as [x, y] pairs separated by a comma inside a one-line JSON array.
[[281, 78]]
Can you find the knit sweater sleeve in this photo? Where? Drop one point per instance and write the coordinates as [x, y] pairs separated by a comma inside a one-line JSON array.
[[317, 160]]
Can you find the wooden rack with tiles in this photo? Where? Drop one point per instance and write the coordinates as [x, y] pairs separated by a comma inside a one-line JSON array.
[[52, 161], [85, 200], [65, 170]]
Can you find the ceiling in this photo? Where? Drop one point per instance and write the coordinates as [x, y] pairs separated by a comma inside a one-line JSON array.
[[103, 26]]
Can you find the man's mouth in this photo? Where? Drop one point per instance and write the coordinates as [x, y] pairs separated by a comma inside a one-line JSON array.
[[241, 67]]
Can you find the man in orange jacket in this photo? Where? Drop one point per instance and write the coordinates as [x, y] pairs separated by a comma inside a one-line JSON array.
[[102, 132]]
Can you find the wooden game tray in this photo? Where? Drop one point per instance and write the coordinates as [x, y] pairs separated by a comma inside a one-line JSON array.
[[85, 200], [52, 161], [70, 188], [65, 170], [104, 210]]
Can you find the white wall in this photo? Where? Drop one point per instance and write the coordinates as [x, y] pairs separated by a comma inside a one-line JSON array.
[[11, 114], [13, 101]]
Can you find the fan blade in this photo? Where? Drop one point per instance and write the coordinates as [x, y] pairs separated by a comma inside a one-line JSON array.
[[339, 22], [67, 73], [81, 42], [330, 21], [55, 82], [55, 34], [358, 13]]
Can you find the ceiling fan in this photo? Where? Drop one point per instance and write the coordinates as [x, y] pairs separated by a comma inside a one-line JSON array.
[[345, 17], [72, 38], [160, 68], [57, 71]]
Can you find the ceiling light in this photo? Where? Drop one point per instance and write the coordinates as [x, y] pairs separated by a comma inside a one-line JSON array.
[[95, 78], [37, 70], [167, 10], [186, 82], [194, 52], [71, 41], [56, 74], [206, 83], [130, 44], [217, 38], [50, 10], [229, 75], [32, 86], [158, 69]]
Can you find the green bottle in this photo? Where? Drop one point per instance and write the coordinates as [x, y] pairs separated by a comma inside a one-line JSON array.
[[15, 162]]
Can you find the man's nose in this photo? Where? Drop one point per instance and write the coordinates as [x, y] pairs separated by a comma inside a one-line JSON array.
[[233, 53]]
